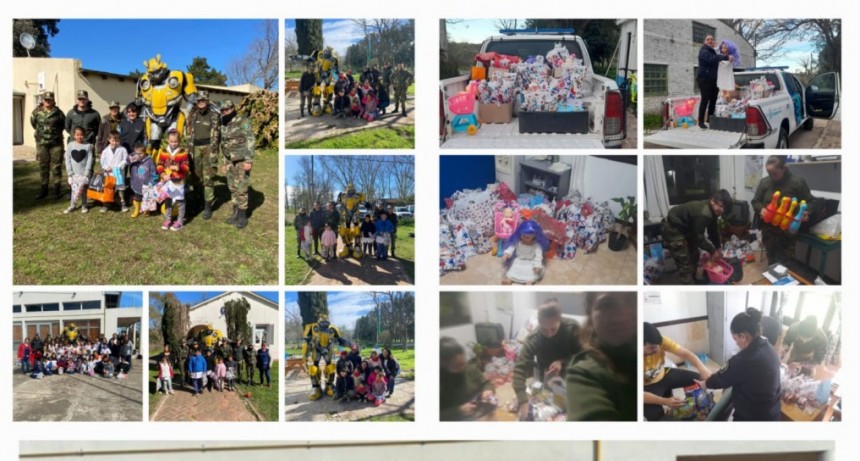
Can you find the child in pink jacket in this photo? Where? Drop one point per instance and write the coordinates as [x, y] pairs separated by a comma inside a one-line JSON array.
[[329, 241]]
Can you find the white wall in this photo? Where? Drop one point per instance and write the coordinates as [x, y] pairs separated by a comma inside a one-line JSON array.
[[260, 314], [676, 305]]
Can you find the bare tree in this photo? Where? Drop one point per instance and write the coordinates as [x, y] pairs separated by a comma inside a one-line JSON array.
[[506, 23], [397, 314], [403, 173], [259, 64], [770, 36], [291, 48], [365, 27]]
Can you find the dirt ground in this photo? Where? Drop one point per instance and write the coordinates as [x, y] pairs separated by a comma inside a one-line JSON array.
[[325, 126], [298, 407], [78, 397]]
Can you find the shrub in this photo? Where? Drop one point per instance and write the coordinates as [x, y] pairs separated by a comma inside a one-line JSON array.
[[262, 108]]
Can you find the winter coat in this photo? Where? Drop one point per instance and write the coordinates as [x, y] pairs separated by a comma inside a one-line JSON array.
[[143, 173], [79, 159], [264, 359], [89, 119]]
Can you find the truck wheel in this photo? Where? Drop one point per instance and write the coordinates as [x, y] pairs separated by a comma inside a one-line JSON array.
[[808, 124], [782, 141]]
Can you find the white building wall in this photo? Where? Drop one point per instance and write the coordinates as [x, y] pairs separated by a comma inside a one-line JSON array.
[[670, 42], [261, 316]]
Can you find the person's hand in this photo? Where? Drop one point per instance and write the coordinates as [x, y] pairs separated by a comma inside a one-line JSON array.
[[487, 395], [248, 166], [504, 258], [554, 367], [804, 217], [536, 270], [523, 412], [701, 383], [673, 402], [731, 59], [762, 212], [705, 374], [468, 408]]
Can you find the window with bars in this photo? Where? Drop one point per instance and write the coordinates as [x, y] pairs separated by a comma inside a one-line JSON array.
[[700, 31], [656, 80]]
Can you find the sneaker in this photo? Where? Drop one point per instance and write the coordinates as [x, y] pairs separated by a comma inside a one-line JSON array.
[[176, 226], [103, 209], [124, 209], [171, 392], [165, 225], [68, 210], [85, 209]]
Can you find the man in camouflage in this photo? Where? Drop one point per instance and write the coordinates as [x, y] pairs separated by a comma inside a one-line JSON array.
[[250, 357], [402, 79], [684, 232], [184, 352], [387, 73], [203, 136], [779, 244], [306, 85], [237, 147], [49, 121]]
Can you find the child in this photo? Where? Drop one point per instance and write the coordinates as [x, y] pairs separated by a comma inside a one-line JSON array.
[[359, 385], [122, 368], [367, 231], [113, 160], [384, 229], [39, 369], [172, 167], [143, 175], [220, 374], [343, 385], [379, 387], [354, 102], [369, 112], [24, 356], [525, 252], [329, 242], [164, 382], [384, 100], [307, 239], [107, 367], [232, 371], [79, 164]]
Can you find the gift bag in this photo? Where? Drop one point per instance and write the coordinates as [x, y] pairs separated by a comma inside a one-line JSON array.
[[150, 198], [101, 188]]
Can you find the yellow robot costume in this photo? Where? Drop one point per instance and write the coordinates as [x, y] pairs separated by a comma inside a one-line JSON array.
[[205, 335], [70, 333], [320, 339], [349, 230], [327, 70], [161, 92]]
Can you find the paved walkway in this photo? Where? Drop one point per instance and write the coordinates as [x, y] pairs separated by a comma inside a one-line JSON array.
[[77, 398], [208, 406], [298, 407], [325, 126]]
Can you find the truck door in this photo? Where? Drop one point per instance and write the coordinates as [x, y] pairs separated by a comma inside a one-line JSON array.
[[822, 95]]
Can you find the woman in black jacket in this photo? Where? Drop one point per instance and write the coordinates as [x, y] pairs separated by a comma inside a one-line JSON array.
[[391, 367]]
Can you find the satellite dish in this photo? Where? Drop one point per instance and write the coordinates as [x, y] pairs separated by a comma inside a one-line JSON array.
[[27, 41]]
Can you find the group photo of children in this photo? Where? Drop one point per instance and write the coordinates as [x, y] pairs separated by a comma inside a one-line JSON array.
[[168, 146], [215, 351], [539, 219], [350, 356], [352, 220], [537, 356], [349, 83], [80, 347]]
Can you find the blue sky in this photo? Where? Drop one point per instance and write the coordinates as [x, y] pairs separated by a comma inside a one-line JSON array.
[[345, 307], [194, 297], [136, 40], [475, 30], [337, 33]]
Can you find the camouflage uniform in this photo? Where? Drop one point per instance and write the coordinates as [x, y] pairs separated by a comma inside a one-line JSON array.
[[779, 244], [184, 352], [49, 126], [684, 234], [402, 79], [250, 363], [237, 148], [387, 72], [203, 135]]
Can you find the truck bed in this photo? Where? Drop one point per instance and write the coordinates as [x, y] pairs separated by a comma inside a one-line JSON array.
[[508, 136], [694, 138]]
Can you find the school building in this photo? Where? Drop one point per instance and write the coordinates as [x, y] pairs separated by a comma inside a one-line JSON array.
[[64, 76], [263, 316], [94, 313]]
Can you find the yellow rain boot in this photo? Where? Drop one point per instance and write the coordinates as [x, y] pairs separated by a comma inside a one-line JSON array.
[[316, 395], [135, 208]]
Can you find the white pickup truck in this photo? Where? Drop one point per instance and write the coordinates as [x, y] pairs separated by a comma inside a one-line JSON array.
[[606, 120], [770, 121]]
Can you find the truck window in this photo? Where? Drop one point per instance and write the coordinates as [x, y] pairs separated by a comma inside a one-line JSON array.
[[525, 48], [742, 80]]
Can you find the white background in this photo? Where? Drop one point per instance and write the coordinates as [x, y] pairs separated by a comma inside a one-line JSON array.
[[427, 427]]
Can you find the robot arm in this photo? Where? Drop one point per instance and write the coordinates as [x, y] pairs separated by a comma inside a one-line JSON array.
[[306, 347]]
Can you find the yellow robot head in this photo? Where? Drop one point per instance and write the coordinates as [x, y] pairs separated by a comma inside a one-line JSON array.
[[72, 325], [156, 68]]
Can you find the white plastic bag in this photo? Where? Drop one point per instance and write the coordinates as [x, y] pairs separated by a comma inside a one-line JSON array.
[[830, 228]]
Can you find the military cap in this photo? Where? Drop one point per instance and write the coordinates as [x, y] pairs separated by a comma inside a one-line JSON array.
[[113, 104], [48, 95], [202, 95], [83, 94], [227, 104]]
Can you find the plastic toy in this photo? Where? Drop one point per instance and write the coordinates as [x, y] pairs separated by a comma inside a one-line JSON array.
[[770, 210], [795, 225], [780, 213], [462, 105], [789, 215]]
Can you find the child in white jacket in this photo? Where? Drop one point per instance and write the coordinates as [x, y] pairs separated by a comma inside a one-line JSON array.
[[113, 160]]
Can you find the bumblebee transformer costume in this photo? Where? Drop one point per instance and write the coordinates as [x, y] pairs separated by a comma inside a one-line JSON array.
[[70, 333], [349, 229], [205, 335], [161, 91], [326, 71], [320, 339]]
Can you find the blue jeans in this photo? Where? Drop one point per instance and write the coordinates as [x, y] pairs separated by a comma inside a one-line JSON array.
[[198, 385], [268, 374], [25, 366], [391, 382], [381, 251]]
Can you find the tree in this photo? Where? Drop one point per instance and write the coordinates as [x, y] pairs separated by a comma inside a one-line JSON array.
[[136, 73], [174, 318], [769, 38], [403, 173], [293, 328], [397, 315], [312, 304], [236, 314], [40, 29], [204, 73], [309, 35], [601, 35], [259, 64]]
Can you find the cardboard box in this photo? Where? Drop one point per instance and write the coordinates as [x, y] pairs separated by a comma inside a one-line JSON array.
[[496, 113]]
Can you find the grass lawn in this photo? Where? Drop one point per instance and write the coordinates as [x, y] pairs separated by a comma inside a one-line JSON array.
[[294, 74], [653, 122], [399, 137], [407, 362], [398, 418], [51, 248], [297, 270], [411, 90]]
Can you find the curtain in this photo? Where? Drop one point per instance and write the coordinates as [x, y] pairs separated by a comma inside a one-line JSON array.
[[577, 176], [657, 196]]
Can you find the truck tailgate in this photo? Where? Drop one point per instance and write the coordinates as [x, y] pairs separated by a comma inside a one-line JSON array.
[[508, 136], [694, 138]]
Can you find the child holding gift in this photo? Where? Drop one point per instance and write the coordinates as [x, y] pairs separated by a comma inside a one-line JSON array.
[[524, 254], [173, 164], [143, 175], [113, 160]]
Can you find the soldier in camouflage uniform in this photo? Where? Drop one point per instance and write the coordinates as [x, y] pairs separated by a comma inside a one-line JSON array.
[[203, 135], [184, 352], [387, 73], [684, 232], [779, 244], [237, 148], [402, 79], [250, 357], [49, 121]]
